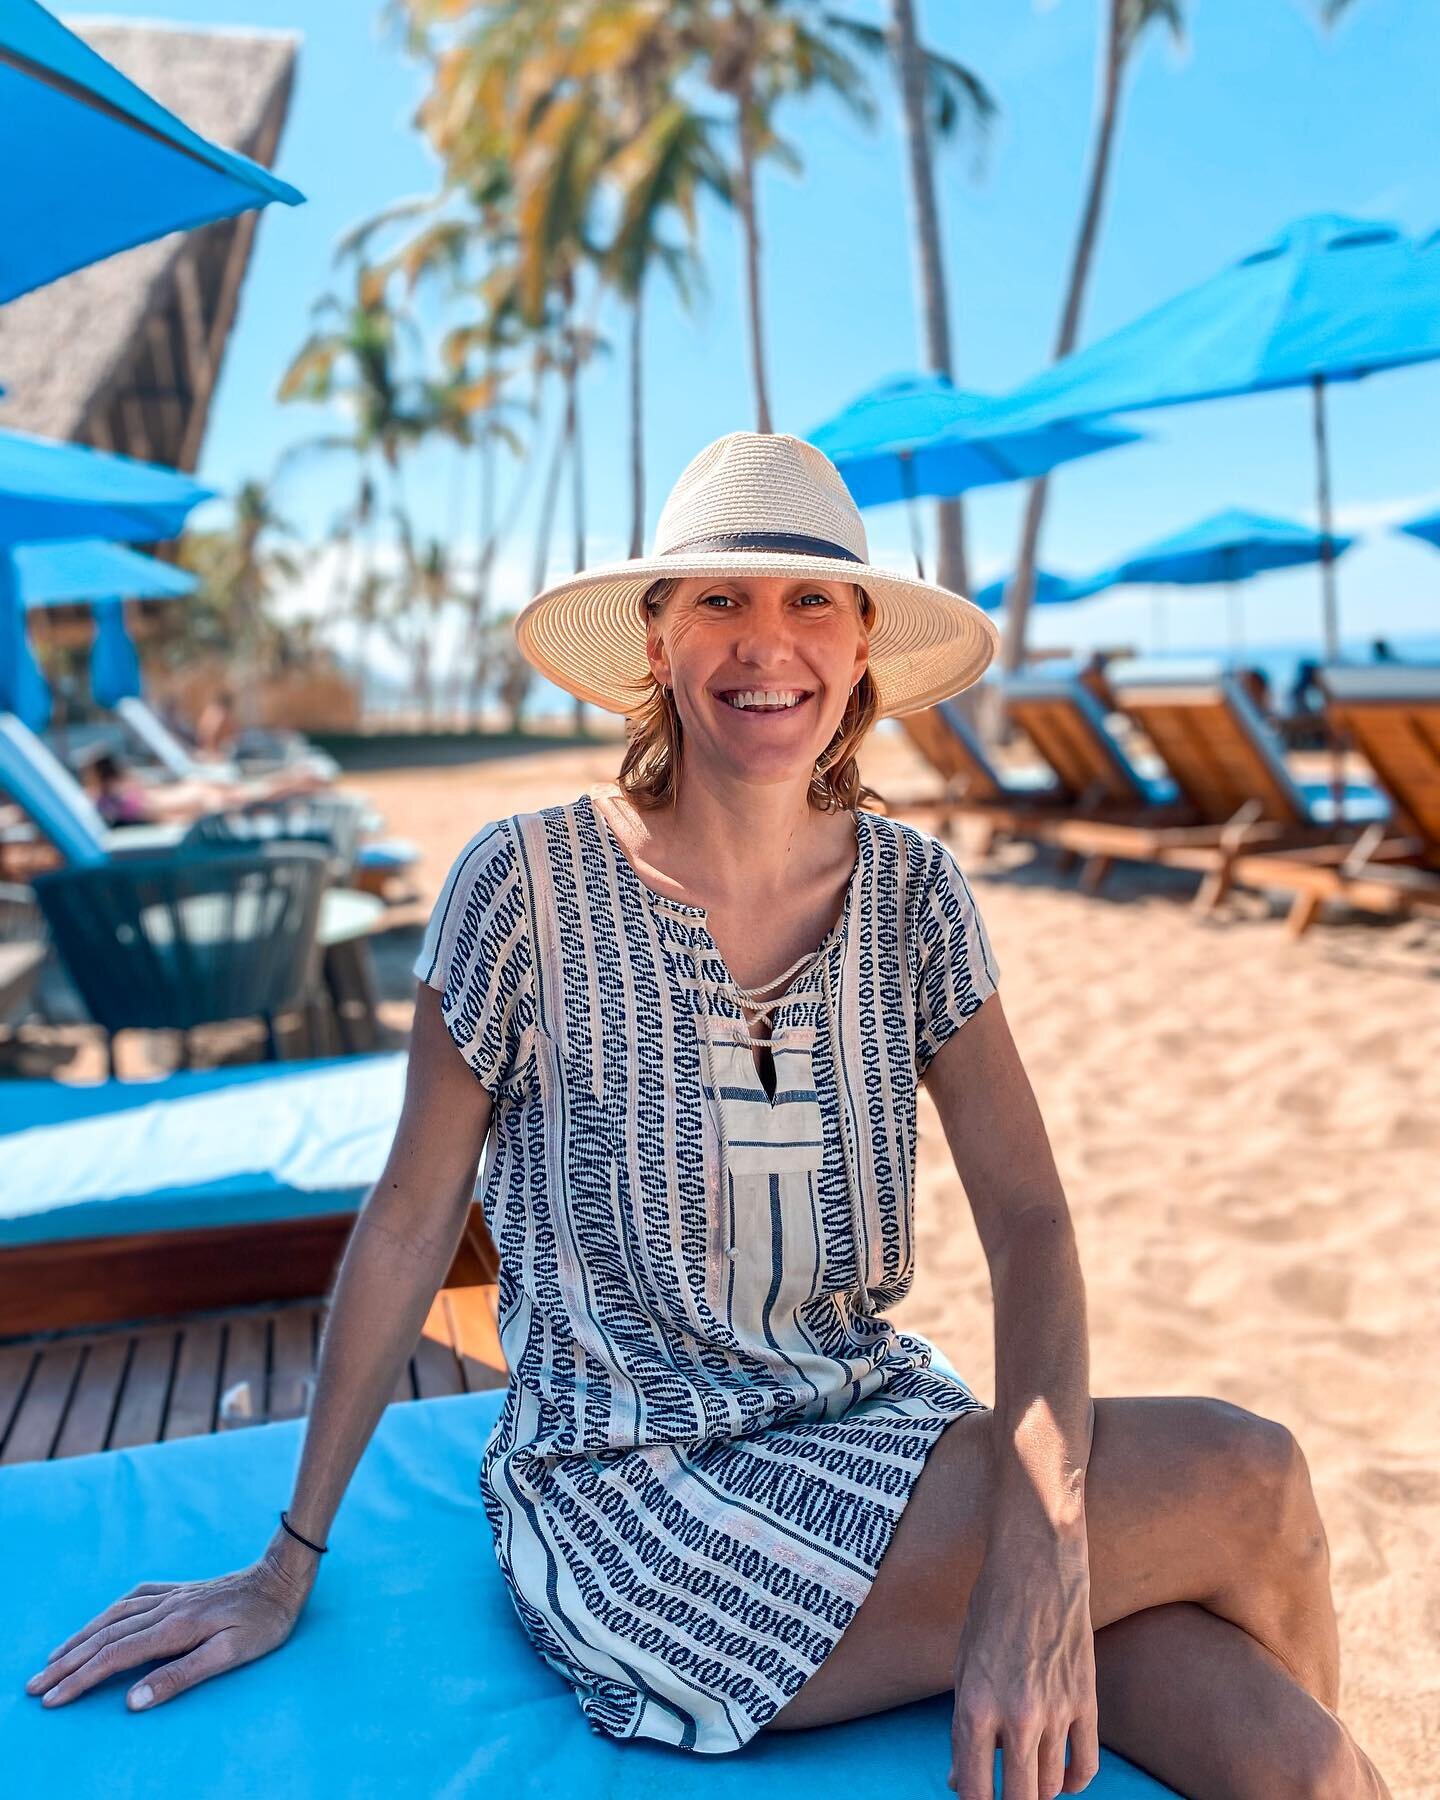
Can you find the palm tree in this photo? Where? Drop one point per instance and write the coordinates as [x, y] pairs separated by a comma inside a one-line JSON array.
[[1125, 24], [242, 567], [669, 157], [938, 97], [757, 53]]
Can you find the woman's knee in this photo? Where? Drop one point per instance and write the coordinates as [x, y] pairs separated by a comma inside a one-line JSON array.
[[1258, 1466]]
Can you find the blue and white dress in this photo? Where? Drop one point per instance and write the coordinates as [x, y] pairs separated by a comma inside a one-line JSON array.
[[710, 1430]]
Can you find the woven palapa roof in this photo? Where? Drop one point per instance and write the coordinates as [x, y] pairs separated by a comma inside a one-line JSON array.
[[61, 345]]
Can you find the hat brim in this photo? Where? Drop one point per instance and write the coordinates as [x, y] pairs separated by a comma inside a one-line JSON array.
[[587, 633]]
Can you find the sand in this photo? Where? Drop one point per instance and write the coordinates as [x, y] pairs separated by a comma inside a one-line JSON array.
[[1248, 1130]]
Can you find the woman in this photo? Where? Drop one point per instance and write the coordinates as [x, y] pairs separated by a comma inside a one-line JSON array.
[[727, 1495]]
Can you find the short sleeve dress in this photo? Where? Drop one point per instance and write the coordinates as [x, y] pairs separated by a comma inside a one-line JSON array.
[[710, 1429]]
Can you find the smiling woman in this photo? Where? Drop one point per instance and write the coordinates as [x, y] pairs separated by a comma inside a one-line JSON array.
[[650, 769], [691, 1016]]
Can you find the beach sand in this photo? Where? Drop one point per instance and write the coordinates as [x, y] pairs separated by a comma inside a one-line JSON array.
[[1248, 1130]]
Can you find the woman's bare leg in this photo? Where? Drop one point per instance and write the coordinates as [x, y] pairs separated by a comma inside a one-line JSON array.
[[1189, 1502], [1198, 1704]]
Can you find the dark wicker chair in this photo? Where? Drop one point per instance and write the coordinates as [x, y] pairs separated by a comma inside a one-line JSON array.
[[189, 938]]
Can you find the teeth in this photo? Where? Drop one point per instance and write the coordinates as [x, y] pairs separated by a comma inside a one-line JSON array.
[[765, 699]]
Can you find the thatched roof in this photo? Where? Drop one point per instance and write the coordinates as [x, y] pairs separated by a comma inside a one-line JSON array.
[[68, 351]]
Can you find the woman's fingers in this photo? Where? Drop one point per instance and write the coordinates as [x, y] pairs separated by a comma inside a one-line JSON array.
[[1019, 1750], [1084, 1753], [124, 1650], [213, 1657], [137, 1600], [1050, 1764], [972, 1757], [77, 1650]]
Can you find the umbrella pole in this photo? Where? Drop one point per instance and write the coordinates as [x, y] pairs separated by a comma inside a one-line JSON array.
[[907, 477], [1327, 523], [1237, 642], [1327, 580]]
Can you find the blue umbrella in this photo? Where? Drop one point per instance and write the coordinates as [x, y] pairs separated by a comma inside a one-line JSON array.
[[919, 435], [1427, 529], [22, 687], [1229, 547], [50, 490], [1050, 590], [81, 569], [1330, 299], [114, 661], [94, 164], [89, 569]]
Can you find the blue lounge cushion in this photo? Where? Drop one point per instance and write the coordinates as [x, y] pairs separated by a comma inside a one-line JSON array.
[[219, 1147], [407, 1673], [388, 853]]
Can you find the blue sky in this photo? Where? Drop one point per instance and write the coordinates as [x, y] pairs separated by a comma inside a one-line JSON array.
[[1260, 117]]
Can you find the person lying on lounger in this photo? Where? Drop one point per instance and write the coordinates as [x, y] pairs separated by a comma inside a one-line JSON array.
[[122, 799], [691, 1012]]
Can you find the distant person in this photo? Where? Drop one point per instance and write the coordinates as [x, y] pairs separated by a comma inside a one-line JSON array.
[[1091, 676], [1381, 652], [217, 728], [121, 798], [1306, 694]]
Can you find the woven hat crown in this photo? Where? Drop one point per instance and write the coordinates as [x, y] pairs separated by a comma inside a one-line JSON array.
[[751, 481]]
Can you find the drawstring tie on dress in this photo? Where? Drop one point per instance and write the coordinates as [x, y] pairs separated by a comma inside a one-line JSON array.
[[751, 1000]]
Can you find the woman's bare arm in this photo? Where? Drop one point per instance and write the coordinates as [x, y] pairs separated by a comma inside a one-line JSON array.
[[1025, 1664], [398, 1254], [1044, 1414]]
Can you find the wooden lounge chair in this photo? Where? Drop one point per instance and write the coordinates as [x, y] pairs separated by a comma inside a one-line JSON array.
[[1391, 714], [1229, 769], [1121, 810], [974, 788]]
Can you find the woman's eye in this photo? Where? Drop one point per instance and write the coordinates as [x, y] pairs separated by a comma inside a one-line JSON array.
[[824, 598], [707, 598]]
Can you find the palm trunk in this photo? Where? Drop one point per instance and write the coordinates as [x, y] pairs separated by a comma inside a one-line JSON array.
[[637, 427], [951, 568], [480, 606], [577, 487], [1022, 583], [749, 217]]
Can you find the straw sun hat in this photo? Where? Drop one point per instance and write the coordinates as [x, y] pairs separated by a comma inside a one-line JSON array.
[[755, 503]]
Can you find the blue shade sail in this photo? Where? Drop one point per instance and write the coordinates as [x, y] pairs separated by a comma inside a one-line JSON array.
[[1329, 299], [1050, 590], [87, 569], [50, 490], [1229, 546], [93, 163], [919, 435], [114, 662], [1427, 529]]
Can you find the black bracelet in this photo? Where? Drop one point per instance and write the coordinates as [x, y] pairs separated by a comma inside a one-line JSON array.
[[322, 1548]]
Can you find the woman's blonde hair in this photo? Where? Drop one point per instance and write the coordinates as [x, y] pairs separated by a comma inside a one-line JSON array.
[[649, 772]]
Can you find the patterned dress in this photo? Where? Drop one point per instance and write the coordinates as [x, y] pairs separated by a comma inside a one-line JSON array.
[[710, 1430]]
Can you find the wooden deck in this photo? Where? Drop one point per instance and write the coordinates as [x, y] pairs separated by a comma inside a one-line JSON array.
[[74, 1392]]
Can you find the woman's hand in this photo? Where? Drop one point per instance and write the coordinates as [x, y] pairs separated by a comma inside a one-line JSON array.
[[204, 1627], [1025, 1673]]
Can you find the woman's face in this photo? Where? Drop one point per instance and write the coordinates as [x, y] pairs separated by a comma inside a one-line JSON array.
[[726, 645]]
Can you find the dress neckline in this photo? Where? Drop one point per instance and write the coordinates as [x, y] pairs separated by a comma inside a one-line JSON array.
[[700, 915]]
